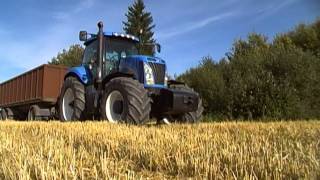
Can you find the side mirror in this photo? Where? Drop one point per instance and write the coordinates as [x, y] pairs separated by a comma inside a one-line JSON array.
[[83, 36], [158, 47]]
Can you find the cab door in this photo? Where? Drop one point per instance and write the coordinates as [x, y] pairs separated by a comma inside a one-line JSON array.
[[90, 58], [112, 58]]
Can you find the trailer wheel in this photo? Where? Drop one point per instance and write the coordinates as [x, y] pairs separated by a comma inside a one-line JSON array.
[[125, 100], [189, 117], [34, 113], [4, 114], [9, 114], [72, 100]]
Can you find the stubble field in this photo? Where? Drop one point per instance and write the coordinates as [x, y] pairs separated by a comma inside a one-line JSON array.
[[99, 150]]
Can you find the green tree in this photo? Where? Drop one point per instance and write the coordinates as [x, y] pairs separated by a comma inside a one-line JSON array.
[[207, 80], [140, 23], [255, 42], [71, 57], [260, 79], [307, 37]]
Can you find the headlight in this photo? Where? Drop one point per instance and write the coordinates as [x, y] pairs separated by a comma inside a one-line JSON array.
[[148, 74], [166, 78]]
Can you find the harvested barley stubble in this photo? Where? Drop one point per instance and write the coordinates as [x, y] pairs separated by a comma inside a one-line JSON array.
[[89, 150]]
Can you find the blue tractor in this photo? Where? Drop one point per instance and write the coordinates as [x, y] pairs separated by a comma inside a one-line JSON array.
[[117, 84]]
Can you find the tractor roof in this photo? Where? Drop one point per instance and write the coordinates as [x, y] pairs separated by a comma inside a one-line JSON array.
[[113, 34]]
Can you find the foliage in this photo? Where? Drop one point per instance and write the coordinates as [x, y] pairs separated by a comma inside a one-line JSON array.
[[259, 79], [307, 37], [140, 24], [99, 150], [71, 57]]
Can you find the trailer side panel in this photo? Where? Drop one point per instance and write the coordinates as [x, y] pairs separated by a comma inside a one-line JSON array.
[[41, 84]]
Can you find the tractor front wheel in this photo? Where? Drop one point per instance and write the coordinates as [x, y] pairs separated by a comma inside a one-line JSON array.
[[125, 100]]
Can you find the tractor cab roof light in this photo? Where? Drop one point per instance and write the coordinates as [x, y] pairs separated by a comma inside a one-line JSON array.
[[125, 36]]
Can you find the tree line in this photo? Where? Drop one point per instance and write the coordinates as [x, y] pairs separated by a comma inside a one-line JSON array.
[[259, 79]]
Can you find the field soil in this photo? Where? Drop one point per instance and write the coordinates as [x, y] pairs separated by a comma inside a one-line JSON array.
[[99, 150]]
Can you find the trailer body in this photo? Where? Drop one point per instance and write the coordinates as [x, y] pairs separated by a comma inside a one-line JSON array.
[[40, 86]]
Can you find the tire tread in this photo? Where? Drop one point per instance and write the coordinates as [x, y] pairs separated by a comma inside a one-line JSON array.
[[139, 105]]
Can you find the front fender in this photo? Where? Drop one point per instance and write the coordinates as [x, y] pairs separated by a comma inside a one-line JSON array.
[[80, 72], [132, 66]]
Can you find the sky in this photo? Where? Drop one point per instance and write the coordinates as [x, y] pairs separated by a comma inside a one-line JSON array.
[[34, 31]]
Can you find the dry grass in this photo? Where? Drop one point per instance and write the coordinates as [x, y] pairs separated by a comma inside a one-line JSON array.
[[98, 150]]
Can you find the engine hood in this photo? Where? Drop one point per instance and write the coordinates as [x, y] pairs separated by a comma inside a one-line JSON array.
[[144, 58], [135, 65]]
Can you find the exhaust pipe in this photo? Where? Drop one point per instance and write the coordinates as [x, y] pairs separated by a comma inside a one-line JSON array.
[[100, 52]]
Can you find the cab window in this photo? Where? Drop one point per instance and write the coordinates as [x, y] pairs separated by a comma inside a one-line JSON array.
[[117, 49], [90, 53]]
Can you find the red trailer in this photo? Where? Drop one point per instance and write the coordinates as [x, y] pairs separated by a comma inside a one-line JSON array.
[[33, 94]]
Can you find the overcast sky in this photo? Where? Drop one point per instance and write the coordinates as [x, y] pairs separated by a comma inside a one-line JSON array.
[[33, 31]]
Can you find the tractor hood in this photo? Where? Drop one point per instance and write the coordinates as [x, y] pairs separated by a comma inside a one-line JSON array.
[[144, 58], [135, 65]]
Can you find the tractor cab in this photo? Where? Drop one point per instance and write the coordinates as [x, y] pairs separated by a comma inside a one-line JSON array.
[[120, 55]]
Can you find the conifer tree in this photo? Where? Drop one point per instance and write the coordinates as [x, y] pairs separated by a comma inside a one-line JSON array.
[[140, 24]]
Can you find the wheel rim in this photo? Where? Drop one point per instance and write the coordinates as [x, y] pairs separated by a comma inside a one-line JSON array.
[[4, 115], [68, 104], [114, 106], [31, 115]]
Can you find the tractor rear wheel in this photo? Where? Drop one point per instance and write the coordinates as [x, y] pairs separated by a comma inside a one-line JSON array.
[[189, 117], [72, 100], [125, 100]]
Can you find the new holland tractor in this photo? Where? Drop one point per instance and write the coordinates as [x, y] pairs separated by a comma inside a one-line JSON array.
[[117, 84]]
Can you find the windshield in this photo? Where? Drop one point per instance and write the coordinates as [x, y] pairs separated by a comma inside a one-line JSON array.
[[117, 48]]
